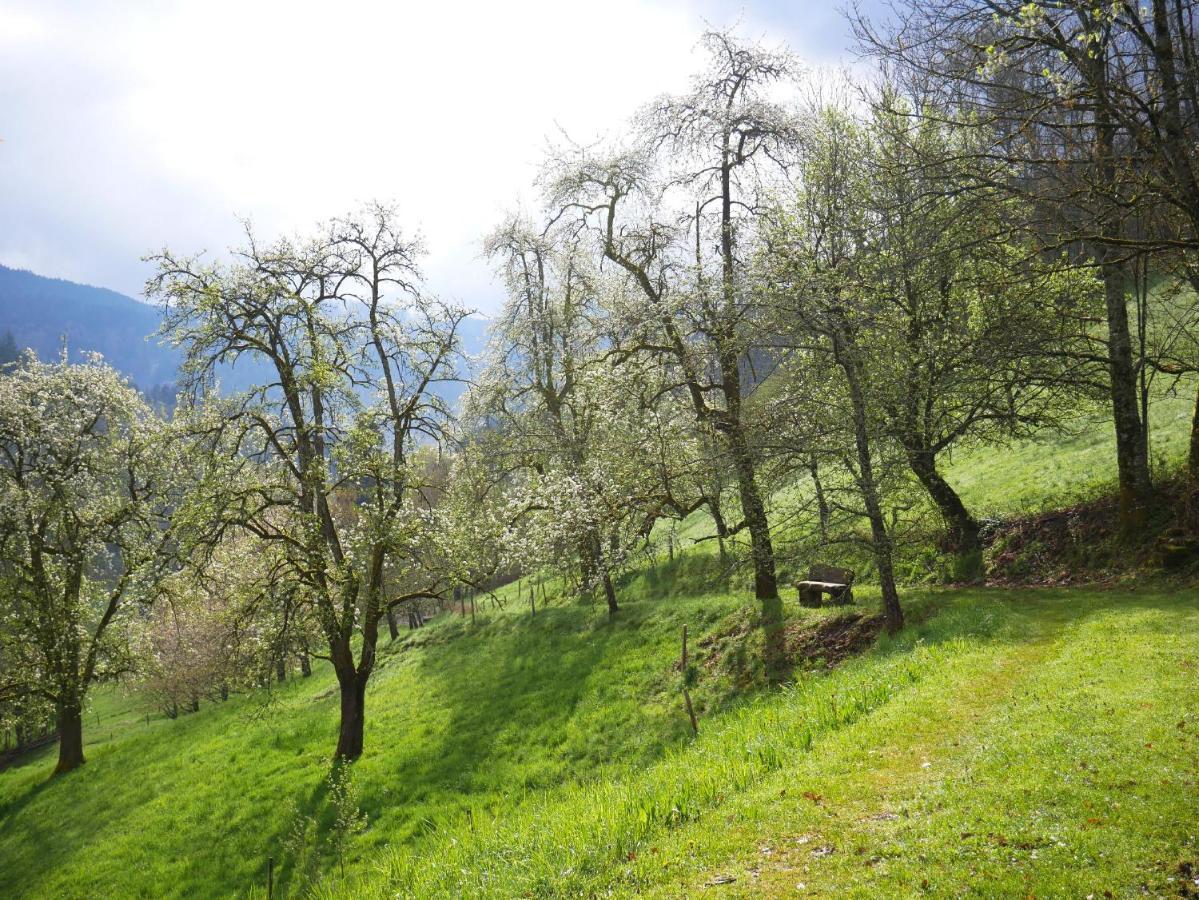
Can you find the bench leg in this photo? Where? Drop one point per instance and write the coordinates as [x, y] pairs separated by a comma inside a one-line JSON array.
[[809, 597]]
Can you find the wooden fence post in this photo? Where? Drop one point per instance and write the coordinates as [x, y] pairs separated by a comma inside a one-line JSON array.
[[691, 713], [686, 694]]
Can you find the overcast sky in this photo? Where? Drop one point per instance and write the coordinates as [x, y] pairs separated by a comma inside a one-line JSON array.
[[127, 126]]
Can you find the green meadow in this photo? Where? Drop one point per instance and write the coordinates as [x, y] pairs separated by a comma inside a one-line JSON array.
[[1008, 742]]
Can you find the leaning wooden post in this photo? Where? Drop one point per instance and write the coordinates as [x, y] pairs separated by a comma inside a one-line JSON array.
[[270, 877], [533, 598], [686, 694], [691, 713]]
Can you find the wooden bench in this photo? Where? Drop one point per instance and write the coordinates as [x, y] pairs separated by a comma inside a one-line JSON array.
[[837, 583]]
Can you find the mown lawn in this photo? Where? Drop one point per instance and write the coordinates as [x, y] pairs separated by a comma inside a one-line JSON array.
[[1056, 757]]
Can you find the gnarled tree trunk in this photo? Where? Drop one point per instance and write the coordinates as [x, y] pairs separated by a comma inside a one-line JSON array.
[[1132, 460], [753, 509], [962, 527], [597, 566], [353, 715], [70, 737]]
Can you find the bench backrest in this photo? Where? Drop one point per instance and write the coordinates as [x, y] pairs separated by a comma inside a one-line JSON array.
[[831, 574]]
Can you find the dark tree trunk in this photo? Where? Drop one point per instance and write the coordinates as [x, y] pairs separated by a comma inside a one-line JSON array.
[[391, 623], [962, 527], [280, 668], [754, 510], [1193, 457], [761, 550], [610, 594], [765, 582], [305, 664], [224, 691], [1131, 458], [880, 539], [595, 557], [70, 737], [822, 508], [353, 715]]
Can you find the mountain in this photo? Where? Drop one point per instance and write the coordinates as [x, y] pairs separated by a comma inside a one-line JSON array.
[[46, 313]]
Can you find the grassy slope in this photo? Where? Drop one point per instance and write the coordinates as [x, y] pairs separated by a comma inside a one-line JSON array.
[[475, 718], [1054, 751], [1016, 742], [1054, 469], [564, 739]]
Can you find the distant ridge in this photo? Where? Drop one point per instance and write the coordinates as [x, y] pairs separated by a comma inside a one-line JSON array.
[[42, 312]]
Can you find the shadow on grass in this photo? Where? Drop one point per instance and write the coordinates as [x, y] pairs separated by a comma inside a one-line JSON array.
[[522, 680], [687, 575]]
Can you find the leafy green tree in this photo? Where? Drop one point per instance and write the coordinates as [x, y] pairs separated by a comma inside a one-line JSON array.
[[977, 336], [587, 455], [815, 276], [87, 478], [674, 208], [944, 324], [1092, 107], [319, 460]]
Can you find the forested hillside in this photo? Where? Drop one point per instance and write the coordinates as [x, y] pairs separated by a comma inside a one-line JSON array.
[[47, 314]]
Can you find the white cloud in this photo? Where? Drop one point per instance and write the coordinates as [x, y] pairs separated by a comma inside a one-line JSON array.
[[20, 27], [131, 125]]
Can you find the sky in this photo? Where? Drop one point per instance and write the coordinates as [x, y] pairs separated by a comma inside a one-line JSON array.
[[129, 126]]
